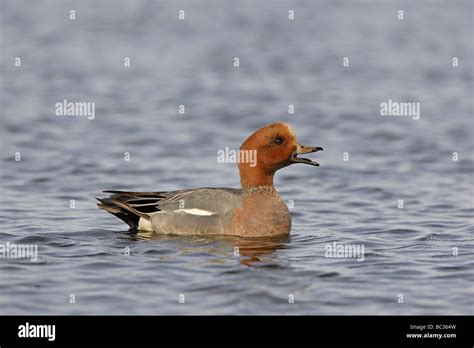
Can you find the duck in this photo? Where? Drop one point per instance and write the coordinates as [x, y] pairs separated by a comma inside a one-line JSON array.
[[254, 210]]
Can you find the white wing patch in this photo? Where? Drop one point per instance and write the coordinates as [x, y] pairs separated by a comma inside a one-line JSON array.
[[194, 211]]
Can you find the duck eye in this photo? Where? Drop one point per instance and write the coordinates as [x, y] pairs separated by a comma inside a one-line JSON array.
[[278, 140]]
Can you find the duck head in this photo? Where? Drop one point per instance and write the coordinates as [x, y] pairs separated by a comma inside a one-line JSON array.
[[276, 147]]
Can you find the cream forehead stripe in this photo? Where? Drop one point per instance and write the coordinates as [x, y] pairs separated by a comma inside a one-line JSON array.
[[290, 130]]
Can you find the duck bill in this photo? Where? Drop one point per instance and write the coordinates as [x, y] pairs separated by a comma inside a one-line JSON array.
[[301, 150]]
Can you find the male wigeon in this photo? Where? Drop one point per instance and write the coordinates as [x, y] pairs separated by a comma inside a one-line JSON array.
[[254, 210]]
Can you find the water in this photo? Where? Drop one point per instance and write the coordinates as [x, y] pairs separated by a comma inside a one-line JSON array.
[[408, 251]]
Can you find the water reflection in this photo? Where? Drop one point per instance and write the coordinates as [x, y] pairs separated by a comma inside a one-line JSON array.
[[253, 250], [250, 250]]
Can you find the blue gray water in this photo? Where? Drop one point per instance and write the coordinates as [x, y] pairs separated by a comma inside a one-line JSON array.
[[420, 255]]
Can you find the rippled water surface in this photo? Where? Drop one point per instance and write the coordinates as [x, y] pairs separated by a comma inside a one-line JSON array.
[[83, 251]]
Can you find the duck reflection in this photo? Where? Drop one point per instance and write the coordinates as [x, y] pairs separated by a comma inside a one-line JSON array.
[[249, 250], [254, 250]]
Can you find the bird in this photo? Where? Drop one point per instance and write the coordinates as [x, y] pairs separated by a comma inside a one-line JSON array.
[[254, 210]]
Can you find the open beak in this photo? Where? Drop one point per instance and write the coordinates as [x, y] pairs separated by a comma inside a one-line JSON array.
[[301, 150]]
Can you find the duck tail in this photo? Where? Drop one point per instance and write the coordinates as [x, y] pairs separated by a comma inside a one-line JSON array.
[[117, 205]]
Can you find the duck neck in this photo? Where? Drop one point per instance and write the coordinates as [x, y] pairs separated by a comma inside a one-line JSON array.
[[254, 177]]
